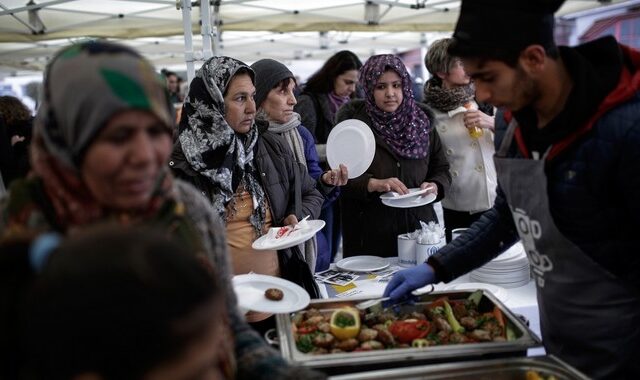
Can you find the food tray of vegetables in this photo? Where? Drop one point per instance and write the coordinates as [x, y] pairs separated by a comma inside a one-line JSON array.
[[515, 368], [335, 337]]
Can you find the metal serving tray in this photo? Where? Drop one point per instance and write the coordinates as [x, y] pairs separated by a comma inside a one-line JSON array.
[[348, 362], [496, 369]]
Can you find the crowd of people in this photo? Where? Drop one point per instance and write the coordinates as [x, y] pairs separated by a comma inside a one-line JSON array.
[[122, 221]]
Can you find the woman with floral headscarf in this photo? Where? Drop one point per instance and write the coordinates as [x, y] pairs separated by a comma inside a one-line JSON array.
[[101, 141], [408, 155], [247, 172]]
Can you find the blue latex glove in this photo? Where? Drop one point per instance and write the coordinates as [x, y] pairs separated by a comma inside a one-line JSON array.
[[406, 280]]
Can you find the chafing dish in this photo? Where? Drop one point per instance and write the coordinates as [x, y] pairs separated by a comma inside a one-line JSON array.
[[496, 369], [347, 362]]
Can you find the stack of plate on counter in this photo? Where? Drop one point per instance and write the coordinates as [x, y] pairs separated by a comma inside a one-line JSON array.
[[509, 270]]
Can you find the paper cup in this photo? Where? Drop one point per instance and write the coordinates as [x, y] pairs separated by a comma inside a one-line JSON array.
[[406, 251], [423, 251], [457, 232]]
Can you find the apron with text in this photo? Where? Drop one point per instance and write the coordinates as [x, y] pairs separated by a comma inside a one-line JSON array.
[[587, 316]]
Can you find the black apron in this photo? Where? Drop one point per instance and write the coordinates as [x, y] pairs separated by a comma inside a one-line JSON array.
[[587, 317]]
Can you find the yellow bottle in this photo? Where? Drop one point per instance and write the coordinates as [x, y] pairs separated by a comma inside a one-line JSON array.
[[475, 131]]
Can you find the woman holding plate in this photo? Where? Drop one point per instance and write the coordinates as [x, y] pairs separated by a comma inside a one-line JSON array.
[[275, 100], [247, 172], [408, 155]]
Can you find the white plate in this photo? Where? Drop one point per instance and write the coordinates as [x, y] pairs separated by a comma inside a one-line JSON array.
[[250, 288], [499, 292], [410, 202], [265, 242], [393, 196], [362, 263], [351, 142]]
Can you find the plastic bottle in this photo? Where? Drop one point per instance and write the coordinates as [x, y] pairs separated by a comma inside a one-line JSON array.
[[475, 132]]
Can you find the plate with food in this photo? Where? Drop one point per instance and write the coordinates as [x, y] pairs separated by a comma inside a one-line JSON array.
[[269, 294], [288, 236]]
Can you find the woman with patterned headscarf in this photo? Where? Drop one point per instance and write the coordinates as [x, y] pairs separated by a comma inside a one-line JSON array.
[[408, 155], [101, 141], [247, 172]]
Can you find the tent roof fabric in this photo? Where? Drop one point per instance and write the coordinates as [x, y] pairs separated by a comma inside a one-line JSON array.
[[248, 29]]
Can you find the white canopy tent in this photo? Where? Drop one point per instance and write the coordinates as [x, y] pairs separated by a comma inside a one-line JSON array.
[[288, 30]]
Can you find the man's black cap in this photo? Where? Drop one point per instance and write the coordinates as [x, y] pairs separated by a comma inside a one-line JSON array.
[[511, 24]]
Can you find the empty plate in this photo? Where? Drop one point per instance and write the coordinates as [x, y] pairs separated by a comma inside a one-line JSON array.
[[409, 202], [362, 263], [393, 196], [351, 142]]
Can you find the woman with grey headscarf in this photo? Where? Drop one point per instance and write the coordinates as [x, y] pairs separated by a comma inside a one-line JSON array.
[[247, 172], [275, 101], [102, 138]]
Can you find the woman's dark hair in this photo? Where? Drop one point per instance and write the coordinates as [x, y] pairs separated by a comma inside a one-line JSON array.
[[13, 110], [283, 84], [321, 82], [113, 301]]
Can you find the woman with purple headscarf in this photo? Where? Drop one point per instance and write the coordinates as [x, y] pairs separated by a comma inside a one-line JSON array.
[[408, 155]]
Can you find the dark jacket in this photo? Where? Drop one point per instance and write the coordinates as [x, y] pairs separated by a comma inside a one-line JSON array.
[[316, 115], [593, 178], [276, 167], [371, 228]]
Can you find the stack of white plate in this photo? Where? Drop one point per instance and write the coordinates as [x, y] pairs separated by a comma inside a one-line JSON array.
[[509, 270]]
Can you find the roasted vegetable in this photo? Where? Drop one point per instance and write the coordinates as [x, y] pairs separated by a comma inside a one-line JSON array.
[[453, 322], [475, 297], [345, 323], [420, 343], [408, 330], [305, 343]]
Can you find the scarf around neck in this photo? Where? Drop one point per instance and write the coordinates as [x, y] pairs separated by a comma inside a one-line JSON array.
[[289, 131], [447, 99], [212, 148], [406, 130], [336, 101]]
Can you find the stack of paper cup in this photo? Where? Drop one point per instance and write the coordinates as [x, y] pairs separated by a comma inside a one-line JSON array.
[[406, 250]]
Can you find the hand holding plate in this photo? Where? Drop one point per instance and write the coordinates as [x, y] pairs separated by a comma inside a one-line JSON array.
[[386, 185], [431, 187], [336, 177]]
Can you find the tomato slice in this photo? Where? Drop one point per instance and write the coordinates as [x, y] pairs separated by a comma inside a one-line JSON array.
[[307, 329], [407, 331]]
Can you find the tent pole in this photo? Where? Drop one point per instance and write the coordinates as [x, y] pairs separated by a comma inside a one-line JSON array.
[[205, 29], [188, 41]]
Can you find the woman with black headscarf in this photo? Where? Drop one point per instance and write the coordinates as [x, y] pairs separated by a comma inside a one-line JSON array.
[[247, 172]]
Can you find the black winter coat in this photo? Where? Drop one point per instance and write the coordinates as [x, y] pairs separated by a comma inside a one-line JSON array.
[[371, 228]]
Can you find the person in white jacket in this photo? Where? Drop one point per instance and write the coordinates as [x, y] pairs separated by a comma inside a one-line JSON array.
[[466, 131]]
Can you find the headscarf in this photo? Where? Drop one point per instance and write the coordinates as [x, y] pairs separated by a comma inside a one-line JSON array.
[[211, 147], [406, 130], [84, 86]]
